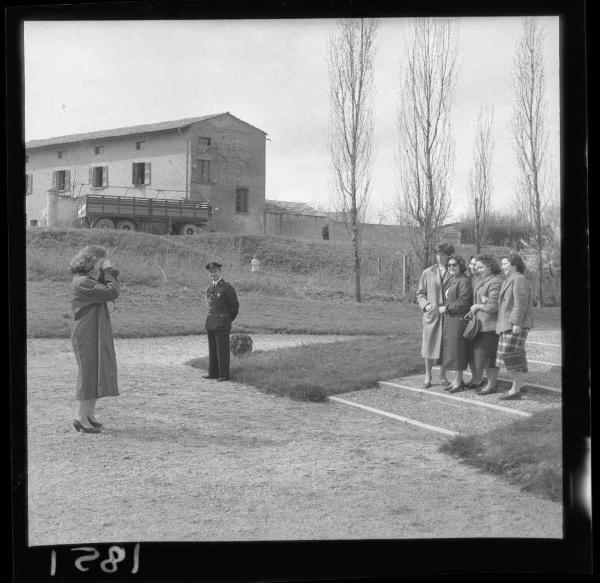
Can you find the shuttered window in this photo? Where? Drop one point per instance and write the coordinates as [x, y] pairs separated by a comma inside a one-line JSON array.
[[98, 176], [241, 200], [28, 183], [204, 170], [61, 179], [140, 173]]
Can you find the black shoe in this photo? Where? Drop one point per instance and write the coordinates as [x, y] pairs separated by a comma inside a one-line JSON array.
[[207, 376], [79, 427], [488, 391], [460, 388], [509, 397], [472, 386], [95, 424], [427, 385], [445, 382], [221, 379]]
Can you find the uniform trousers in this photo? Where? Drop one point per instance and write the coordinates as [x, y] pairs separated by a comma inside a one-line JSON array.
[[218, 353]]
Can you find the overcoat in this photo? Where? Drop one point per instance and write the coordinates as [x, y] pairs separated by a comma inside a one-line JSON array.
[[432, 289], [92, 336], [455, 349], [488, 286], [515, 304]]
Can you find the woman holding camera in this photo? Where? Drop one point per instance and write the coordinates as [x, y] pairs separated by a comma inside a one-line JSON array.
[[94, 285]]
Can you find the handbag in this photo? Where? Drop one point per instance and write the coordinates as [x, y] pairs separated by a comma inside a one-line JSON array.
[[472, 328]]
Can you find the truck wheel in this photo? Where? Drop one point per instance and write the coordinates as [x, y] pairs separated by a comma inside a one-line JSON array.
[[103, 224], [189, 229], [126, 225]]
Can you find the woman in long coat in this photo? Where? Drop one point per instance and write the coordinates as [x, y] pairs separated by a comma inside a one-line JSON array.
[[486, 290], [94, 285], [515, 319], [459, 298], [430, 295]]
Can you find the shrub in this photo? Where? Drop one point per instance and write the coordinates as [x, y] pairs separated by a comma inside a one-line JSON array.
[[241, 344]]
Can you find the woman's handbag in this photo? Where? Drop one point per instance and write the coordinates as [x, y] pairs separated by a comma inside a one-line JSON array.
[[472, 328]]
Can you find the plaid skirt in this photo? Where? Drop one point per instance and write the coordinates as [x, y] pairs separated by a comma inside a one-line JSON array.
[[511, 351]]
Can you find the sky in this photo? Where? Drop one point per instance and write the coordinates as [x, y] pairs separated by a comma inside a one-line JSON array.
[[85, 76]]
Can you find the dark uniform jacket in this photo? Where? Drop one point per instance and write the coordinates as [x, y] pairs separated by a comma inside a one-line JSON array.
[[223, 306]]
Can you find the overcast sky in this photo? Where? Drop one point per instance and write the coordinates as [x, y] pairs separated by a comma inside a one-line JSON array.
[[86, 76]]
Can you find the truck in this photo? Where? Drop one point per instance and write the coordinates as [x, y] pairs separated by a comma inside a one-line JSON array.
[[156, 215]]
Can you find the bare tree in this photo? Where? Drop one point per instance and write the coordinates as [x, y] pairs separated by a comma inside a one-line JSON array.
[[350, 61], [479, 185], [426, 147], [531, 134]]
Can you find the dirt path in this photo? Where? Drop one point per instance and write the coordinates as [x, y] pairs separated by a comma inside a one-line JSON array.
[[186, 459]]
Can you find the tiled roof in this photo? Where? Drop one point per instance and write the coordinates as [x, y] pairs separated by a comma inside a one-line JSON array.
[[139, 129], [294, 208]]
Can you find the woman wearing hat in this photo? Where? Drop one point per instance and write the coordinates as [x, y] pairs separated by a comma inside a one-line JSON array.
[[223, 307]]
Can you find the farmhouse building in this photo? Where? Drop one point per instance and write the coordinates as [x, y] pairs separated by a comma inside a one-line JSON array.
[[218, 159]]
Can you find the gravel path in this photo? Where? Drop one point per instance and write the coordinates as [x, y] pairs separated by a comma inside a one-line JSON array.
[[187, 459]]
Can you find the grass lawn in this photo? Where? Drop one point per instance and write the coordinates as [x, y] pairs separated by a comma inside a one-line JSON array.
[[528, 452], [144, 311], [313, 372]]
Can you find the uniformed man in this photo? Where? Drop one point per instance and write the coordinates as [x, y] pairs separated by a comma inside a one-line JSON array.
[[223, 308]]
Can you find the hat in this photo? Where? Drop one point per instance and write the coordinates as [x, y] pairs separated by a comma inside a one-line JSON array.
[[213, 265]]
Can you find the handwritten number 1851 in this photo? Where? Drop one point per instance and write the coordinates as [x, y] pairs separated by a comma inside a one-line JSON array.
[[116, 554]]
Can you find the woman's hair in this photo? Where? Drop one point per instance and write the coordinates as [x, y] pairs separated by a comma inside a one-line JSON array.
[[491, 262], [516, 260], [84, 261], [462, 266], [445, 248]]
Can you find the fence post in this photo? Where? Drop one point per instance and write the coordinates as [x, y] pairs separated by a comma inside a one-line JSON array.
[[403, 275]]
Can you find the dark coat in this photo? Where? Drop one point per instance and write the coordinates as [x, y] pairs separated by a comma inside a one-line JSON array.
[[223, 306], [459, 299], [92, 336], [515, 304], [431, 291]]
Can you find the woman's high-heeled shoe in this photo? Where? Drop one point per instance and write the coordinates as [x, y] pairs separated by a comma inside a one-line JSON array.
[[487, 391], [93, 423], [80, 427], [460, 388], [444, 381]]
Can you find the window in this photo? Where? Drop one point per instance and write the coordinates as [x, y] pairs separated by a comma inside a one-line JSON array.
[[241, 200], [140, 173], [61, 179], [28, 183], [138, 145], [99, 150], [204, 170], [62, 154], [33, 223], [26, 159], [99, 176], [203, 141]]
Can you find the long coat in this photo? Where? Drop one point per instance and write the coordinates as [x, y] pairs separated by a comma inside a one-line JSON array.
[[488, 286], [432, 289], [455, 349], [92, 336], [515, 304]]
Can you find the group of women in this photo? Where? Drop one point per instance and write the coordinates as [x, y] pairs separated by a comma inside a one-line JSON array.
[[499, 297]]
